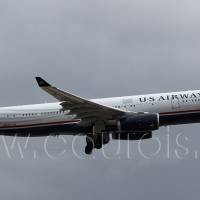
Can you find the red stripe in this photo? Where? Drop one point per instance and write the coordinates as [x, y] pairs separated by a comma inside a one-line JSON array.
[[40, 125]]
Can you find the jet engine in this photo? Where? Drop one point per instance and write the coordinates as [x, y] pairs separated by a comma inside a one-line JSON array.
[[144, 122]]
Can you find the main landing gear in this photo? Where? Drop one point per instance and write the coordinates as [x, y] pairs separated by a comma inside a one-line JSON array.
[[96, 142], [98, 138]]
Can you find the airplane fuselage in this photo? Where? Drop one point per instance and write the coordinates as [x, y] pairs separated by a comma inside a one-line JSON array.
[[173, 108]]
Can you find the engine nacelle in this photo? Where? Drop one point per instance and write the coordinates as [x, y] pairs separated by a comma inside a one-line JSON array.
[[144, 122]]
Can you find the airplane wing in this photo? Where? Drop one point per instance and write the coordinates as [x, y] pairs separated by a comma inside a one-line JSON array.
[[83, 109]]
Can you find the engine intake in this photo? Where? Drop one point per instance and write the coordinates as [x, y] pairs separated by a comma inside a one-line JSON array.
[[139, 123]]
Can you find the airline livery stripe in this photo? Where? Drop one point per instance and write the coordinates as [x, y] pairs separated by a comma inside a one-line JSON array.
[[41, 124]]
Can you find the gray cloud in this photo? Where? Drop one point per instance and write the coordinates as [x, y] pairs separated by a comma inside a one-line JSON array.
[[99, 49]]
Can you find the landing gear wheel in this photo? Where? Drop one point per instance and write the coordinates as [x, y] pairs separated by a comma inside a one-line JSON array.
[[88, 149], [90, 139], [98, 146], [98, 141], [90, 145]]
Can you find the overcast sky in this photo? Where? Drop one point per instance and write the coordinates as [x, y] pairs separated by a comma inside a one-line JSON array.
[[99, 48]]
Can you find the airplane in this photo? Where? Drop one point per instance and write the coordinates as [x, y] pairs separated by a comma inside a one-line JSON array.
[[123, 118]]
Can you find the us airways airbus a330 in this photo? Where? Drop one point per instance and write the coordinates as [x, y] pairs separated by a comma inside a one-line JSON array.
[[125, 118]]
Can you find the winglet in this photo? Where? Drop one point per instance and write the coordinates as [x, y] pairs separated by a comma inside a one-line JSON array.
[[41, 82]]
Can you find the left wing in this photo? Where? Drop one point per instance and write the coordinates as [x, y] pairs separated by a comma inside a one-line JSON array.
[[83, 109]]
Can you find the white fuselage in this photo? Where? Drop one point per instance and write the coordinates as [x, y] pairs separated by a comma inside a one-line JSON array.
[[40, 115]]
